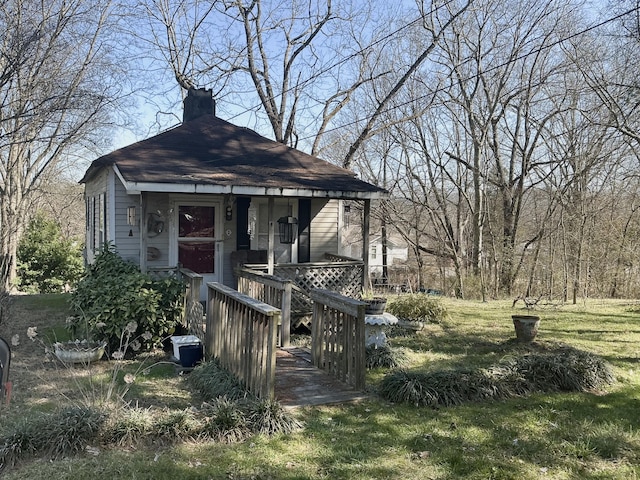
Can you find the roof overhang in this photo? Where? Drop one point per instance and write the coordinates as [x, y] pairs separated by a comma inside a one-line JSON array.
[[135, 188]]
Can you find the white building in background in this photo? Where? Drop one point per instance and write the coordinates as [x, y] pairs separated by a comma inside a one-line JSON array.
[[397, 251]]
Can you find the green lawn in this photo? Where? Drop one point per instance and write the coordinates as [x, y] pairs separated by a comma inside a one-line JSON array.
[[555, 436]]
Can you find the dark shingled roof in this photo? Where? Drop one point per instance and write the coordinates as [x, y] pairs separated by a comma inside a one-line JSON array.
[[211, 151]]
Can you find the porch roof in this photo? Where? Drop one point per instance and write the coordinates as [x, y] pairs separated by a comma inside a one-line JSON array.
[[211, 155]]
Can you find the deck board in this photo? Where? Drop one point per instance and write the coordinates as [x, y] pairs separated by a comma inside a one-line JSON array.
[[299, 383]]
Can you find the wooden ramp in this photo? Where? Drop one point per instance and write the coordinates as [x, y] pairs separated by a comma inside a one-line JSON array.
[[300, 384]]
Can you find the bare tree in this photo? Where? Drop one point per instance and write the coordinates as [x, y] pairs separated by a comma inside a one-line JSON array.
[[609, 66], [436, 21], [57, 84], [503, 66], [294, 64]]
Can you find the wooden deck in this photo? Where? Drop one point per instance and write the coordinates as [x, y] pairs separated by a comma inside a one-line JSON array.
[[300, 384], [241, 332]]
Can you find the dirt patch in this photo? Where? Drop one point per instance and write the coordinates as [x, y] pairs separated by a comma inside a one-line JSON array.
[[39, 378], [31, 371]]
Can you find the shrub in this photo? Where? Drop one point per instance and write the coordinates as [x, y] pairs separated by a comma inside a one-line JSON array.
[[48, 262], [5, 300], [418, 307], [115, 293]]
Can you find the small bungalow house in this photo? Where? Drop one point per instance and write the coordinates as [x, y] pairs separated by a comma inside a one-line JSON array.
[[207, 195]]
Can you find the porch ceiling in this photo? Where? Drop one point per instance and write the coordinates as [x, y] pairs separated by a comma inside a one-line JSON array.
[[210, 155]]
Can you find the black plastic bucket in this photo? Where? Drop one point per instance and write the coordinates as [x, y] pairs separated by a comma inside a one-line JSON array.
[[190, 355]]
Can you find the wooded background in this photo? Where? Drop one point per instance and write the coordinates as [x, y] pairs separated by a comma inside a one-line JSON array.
[[506, 131]]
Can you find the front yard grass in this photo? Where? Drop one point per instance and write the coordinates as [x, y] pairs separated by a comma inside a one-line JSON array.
[[551, 436]]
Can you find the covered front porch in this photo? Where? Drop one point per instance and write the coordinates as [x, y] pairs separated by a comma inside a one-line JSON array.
[[224, 237]]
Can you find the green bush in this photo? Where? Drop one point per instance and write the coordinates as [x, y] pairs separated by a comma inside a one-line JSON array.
[[48, 262], [115, 293], [418, 307]]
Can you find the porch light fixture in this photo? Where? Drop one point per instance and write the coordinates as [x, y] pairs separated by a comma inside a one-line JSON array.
[[228, 207], [288, 228], [131, 216]]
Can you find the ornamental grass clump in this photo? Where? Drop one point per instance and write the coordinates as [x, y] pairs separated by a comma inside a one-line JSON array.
[[268, 417], [129, 426], [384, 356], [565, 370], [53, 435], [441, 388], [134, 425], [211, 381], [417, 307], [172, 425], [225, 421], [229, 406], [92, 389]]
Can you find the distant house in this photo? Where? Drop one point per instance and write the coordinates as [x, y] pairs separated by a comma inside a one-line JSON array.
[[397, 251], [206, 192]]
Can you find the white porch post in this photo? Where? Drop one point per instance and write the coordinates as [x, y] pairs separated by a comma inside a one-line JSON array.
[[271, 247], [366, 281], [143, 232]]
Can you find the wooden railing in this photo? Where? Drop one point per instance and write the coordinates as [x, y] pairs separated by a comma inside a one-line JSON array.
[[193, 310], [339, 274], [337, 336], [192, 318], [271, 290], [241, 332], [163, 272]]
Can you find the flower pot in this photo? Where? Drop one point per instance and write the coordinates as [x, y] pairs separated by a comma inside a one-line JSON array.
[[375, 306], [79, 352], [526, 327]]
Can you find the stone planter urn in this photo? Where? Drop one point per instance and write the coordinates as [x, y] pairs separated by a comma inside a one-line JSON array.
[[79, 351], [526, 327]]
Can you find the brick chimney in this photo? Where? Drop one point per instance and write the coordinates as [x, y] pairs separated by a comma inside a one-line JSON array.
[[199, 101]]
